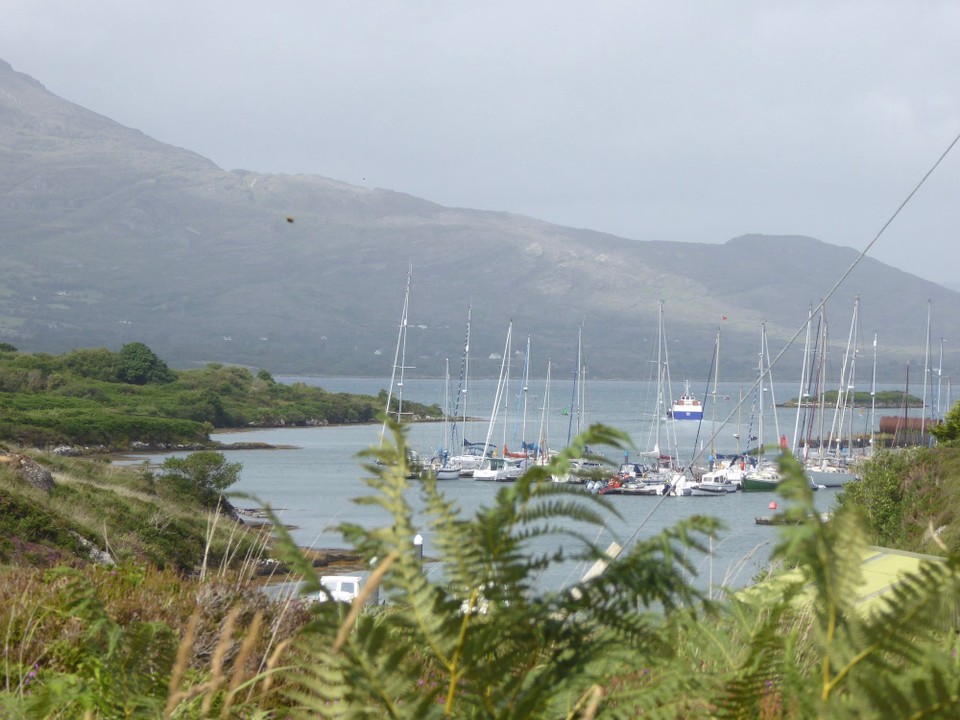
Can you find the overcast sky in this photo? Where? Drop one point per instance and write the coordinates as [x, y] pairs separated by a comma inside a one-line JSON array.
[[685, 121]]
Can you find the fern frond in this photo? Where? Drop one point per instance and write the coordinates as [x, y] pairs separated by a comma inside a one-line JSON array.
[[483, 639], [290, 554], [854, 659]]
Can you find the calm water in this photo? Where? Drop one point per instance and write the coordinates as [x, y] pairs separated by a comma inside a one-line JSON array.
[[314, 485]]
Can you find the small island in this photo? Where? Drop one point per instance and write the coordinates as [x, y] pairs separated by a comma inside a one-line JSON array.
[[92, 401], [883, 399]]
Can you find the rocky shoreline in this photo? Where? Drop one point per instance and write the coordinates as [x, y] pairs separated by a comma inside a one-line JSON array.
[[337, 560], [340, 559], [141, 448]]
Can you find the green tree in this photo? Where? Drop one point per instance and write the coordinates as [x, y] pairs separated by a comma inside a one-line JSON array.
[[948, 432], [204, 474], [138, 365], [96, 363], [202, 405], [880, 493]]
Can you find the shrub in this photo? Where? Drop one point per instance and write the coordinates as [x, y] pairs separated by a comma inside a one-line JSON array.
[[98, 364], [203, 475], [879, 493], [137, 364]]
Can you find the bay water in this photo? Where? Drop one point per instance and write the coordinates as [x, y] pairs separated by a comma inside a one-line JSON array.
[[313, 481]]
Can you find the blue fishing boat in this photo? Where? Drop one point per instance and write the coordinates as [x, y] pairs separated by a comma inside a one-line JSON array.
[[687, 407]]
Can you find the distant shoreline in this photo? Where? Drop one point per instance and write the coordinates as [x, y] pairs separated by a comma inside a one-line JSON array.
[[831, 405]]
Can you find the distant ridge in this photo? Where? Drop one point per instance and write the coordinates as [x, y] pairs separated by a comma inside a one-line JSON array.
[[111, 236]]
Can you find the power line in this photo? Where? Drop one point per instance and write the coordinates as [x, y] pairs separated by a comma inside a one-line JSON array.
[[823, 301]]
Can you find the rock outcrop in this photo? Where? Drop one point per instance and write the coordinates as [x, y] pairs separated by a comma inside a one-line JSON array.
[[31, 473]]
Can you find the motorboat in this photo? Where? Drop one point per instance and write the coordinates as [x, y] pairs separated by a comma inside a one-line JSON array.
[[687, 406]]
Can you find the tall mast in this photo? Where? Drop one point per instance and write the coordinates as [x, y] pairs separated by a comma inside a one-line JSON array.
[[803, 384], [506, 387], [673, 447], [739, 419], [811, 397], [398, 358], [524, 388], [501, 383], [713, 404], [773, 397], [756, 406], [661, 407], [846, 384], [466, 366], [446, 406], [948, 404], [574, 400], [403, 350], [902, 425], [455, 445], [873, 397], [926, 370], [544, 432], [939, 416], [762, 388], [821, 383], [584, 407], [852, 380]]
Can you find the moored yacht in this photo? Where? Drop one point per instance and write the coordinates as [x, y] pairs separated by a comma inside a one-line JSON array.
[[498, 469]]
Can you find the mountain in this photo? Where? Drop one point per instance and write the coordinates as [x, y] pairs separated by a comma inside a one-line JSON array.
[[110, 236]]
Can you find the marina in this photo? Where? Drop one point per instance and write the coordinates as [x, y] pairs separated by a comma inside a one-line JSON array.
[[314, 485]]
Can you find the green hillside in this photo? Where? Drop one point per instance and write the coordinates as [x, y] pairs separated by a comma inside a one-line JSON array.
[[108, 401]]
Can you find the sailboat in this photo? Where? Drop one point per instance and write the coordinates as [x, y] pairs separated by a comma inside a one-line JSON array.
[[469, 455], [765, 475], [414, 464], [527, 450], [443, 468], [398, 362], [582, 469], [830, 469], [492, 468], [661, 475], [812, 388], [575, 412], [543, 452], [724, 474]]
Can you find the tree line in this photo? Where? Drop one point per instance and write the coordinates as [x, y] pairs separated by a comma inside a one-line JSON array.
[[113, 399]]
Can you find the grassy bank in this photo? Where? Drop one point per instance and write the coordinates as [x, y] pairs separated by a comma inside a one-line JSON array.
[[910, 499], [131, 514]]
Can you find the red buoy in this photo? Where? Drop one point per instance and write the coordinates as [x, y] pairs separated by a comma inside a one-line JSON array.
[[773, 505]]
